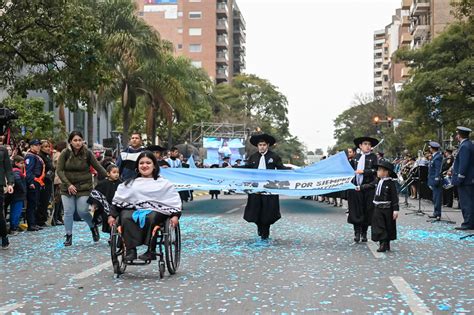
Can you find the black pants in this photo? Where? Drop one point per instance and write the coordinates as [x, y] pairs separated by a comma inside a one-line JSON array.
[[3, 222], [448, 196], [32, 197], [135, 236], [43, 203]]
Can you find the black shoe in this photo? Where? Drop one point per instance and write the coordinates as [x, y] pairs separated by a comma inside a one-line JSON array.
[[59, 222], [147, 256], [383, 247], [5, 242], [32, 229], [131, 255], [95, 234], [364, 237], [462, 228], [388, 245], [433, 216], [68, 241]]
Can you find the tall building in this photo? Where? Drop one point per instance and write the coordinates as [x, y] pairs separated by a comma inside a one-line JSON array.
[[210, 32], [414, 24], [379, 41]]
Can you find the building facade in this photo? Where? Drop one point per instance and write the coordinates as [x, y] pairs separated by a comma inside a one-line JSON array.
[[414, 24], [209, 32]]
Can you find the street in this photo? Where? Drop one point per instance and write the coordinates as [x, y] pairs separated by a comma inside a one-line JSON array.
[[309, 265]]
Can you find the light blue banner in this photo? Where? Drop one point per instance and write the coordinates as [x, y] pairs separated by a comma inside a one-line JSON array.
[[330, 175]]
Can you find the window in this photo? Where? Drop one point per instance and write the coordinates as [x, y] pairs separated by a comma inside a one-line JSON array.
[[194, 0], [180, 30], [180, 46], [180, 13], [197, 64], [195, 48], [195, 31], [195, 15]]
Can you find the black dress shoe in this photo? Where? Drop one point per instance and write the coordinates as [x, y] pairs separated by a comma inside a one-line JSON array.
[[383, 247], [95, 234], [131, 255], [147, 256], [461, 228], [432, 216], [68, 241], [39, 228], [364, 237], [357, 237]]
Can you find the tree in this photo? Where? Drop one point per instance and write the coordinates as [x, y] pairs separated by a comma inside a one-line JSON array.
[[32, 121], [440, 94]]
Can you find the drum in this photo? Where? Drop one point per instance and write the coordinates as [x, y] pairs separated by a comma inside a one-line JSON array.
[[447, 182]]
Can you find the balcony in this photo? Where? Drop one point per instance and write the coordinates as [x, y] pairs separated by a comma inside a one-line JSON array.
[[419, 7], [222, 41], [379, 41], [222, 9], [221, 57], [222, 26], [377, 88], [406, 4], [222, 75], [378, 60], [406, 21], [406, 38], [378, 51], [405, 72], [420, 31]]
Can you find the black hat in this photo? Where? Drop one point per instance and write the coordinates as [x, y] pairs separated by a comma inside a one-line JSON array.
[[35, 142], [372, 141], [255, 139], [238, 160], [226, 158], [155, 148], [388, 166]]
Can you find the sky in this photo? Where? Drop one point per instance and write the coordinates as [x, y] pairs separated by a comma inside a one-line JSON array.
[[319, 53]]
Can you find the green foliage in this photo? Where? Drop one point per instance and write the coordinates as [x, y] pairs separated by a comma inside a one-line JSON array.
[[257, 103], [31, 117], [441, 92]]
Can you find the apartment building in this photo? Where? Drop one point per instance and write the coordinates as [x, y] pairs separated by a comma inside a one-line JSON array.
[[210, 32], [413, 25]]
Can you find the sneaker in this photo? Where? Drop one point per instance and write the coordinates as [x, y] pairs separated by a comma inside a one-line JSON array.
[[5, 242]]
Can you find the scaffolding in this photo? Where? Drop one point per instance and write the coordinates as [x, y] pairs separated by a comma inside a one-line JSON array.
[[218, 130]]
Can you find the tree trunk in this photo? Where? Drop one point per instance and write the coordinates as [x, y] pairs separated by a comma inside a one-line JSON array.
[[90, 119], [125, 115], [151, 124], [62, 116]]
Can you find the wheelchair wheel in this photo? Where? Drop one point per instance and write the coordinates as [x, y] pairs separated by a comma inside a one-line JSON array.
[[172, 243], [117, 251]]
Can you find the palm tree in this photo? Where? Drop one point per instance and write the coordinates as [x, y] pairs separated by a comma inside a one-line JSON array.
[[130, 42]]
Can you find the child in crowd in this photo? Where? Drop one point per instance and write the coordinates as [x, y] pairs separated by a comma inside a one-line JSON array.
[[101, 197], [19, 193], [386, 209]]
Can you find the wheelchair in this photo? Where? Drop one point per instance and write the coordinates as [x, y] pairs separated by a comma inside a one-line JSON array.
[[166, 236]]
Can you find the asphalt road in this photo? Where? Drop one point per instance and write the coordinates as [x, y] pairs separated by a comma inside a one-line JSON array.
[[309, 265]]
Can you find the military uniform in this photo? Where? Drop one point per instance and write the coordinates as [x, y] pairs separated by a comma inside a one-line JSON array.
[[463, 178], [435, 179], [448, 193]]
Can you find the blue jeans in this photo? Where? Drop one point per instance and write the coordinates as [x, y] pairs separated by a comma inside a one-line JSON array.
[[15, 213], [71, 204]]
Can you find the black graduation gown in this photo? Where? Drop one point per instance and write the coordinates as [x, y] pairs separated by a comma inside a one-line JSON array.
[[384, 227], [361, 206], [263, 209]]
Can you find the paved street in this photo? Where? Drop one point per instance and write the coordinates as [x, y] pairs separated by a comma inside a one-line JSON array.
[[310, 265]]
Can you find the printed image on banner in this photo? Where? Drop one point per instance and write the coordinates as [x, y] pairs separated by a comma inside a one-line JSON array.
[[160, 1]]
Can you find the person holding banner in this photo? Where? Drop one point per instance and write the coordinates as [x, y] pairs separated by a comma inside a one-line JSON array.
[[263, 210], [360, 200]]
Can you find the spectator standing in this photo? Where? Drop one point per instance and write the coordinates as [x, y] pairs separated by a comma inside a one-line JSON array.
[[46, 192], [35, 174], [19, 194], [6, 179]]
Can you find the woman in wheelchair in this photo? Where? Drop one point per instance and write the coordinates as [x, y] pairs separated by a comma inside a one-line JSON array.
[[141, 204]]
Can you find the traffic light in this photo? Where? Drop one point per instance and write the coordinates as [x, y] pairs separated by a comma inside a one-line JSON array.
[[376, 120], [389, 121]]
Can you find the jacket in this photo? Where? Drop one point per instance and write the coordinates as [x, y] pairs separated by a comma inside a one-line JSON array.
[[6, 174], [34, 168], [272, 161], [370, 170], [463, 168], [19, 191], [126, 162], [434, 170], [73, 169]]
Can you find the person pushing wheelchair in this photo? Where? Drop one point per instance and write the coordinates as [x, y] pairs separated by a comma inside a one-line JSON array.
[[141, 204]]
